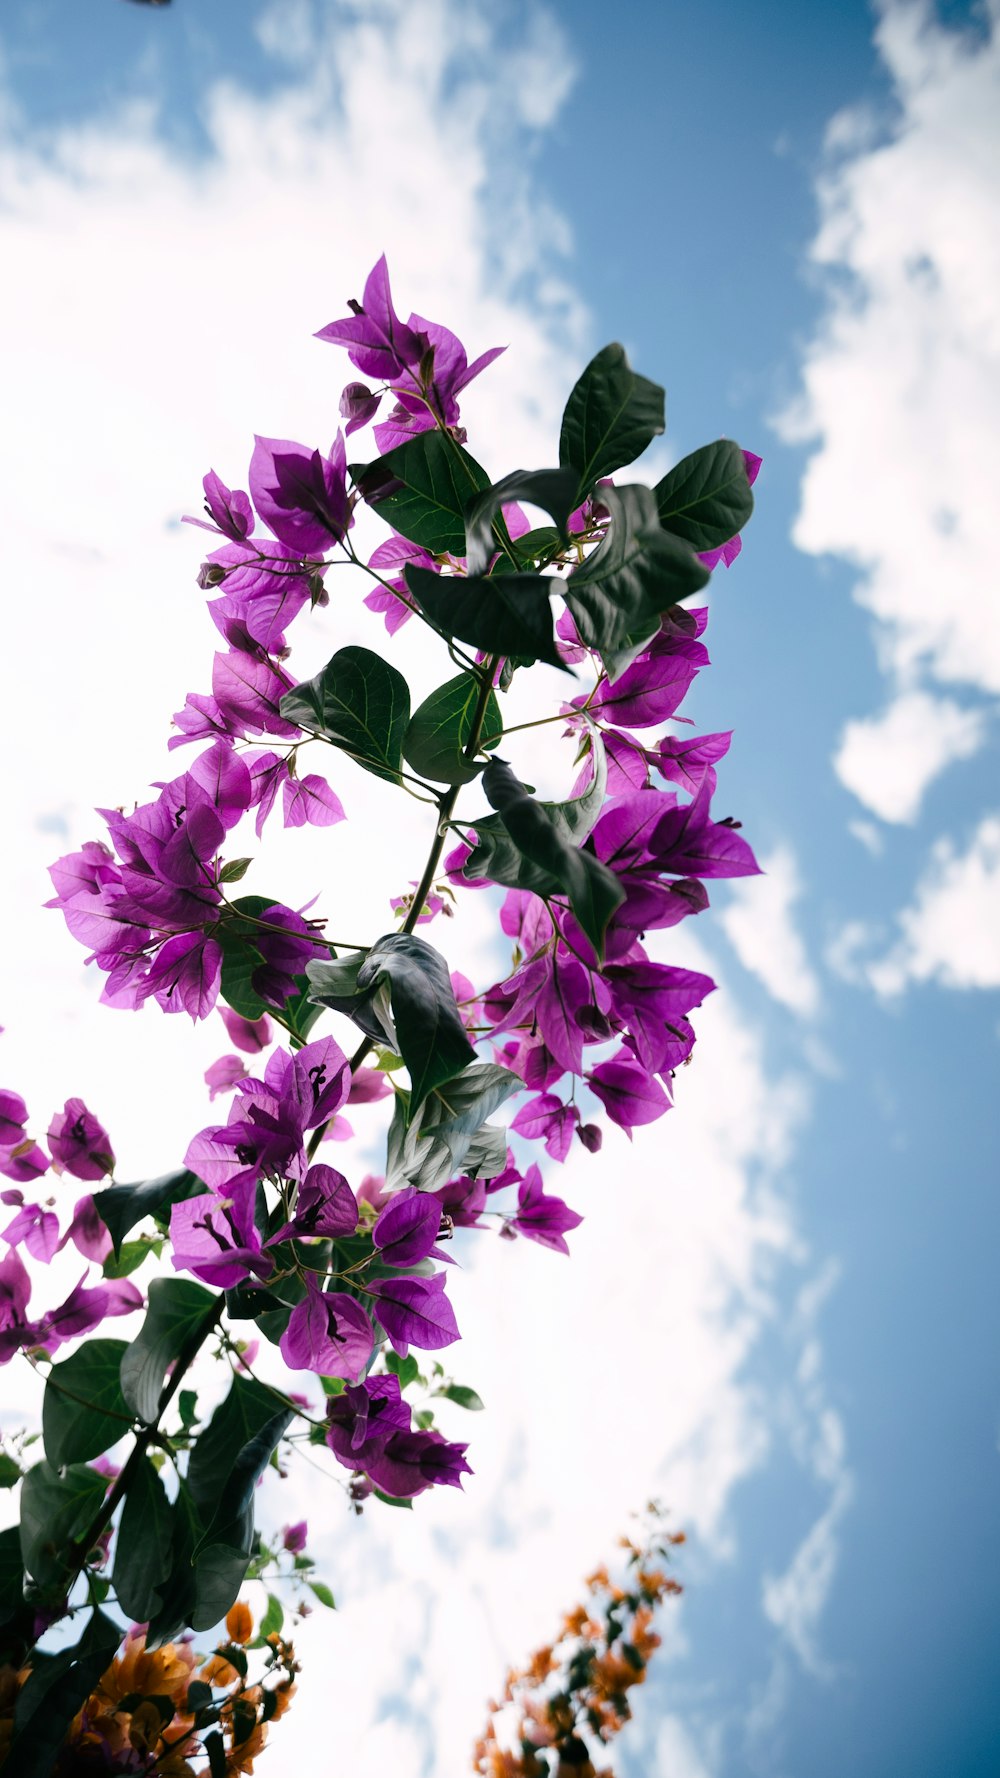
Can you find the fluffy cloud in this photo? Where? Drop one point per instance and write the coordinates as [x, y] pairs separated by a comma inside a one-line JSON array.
[[889, 760], [951, 932], [901, 386], [759, 923]]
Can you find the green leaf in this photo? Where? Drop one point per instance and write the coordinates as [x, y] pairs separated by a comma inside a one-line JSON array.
[[554, 490], [498, 613], [187, 1407], [199, 1696], [706, 498], [120, 1207], [236, 1421], [634, 574], [143, 1546], [358, 703], [406, 1369], [323, 1594], [177, 1307], [132, 1256], [441, 728], [215, 1747], [179, 1590], [390, 1500], [429, 1033], [235, 870], [55, 1510], [232, 1522], [539, 850], [11, 1573], [272, 1621], [83, 1408], [422, 488], [463, 1397], [400, 991], [332, 1385], [10, 1472], [449, 1132], [53, 1693], [611, 416]]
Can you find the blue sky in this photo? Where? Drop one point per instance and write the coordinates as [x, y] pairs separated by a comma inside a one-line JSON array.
[[825, 292]]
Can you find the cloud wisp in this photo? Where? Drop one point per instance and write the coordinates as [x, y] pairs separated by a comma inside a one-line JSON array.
[[901, 387]]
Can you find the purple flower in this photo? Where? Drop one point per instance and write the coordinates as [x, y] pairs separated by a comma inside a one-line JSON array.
[[325, 1206], [301, 494], [25, 1163], [13, 1117], [546, 1119], [32, 1227], [88, 1232], [15, 1294], [329, 1333], [217, 1240], [287, 943], [689, 759], [249, 1035], [357, 406], [651, 998], [226, 781], [294, 1537], [85, 1309], [368, 1085], [415, 1312], [541, 1218], [185, 974], [409, 1462], [247, 692], [79, 1143], [224, 1074], [363, 1417], [686, 843], [628, 1093], [231, 514], [650, 690], [311, 799], [376, 340], [406, 1230]]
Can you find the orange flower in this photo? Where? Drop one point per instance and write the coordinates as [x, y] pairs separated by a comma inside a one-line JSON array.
[[239, 1622]]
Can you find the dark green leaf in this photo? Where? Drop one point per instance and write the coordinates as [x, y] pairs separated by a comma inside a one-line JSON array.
[[554, 490], [358, 703], [199, 1696], [10, 1471], [390, 1500], [219, 1573], [449, 1134], [177, 1306], [56, 1509], [422, 489], [465, 1398], [143, 1545], [441, 728], [611, 416], [323, 1594], [237, 1420], [215, 1747], [120, 1207], [500, 614], [187, 1407], [706, 498], [11, 1573], [232, 1522], [633, 575], [429, 1033], [179, 1590], [53, 1693], [83, 1408]]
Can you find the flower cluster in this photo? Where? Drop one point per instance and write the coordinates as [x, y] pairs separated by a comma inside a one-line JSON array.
[[571, 1697], [345, 1277]]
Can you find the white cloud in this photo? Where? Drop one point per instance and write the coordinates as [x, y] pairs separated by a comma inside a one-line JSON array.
[[951, 932], [758, 921], [889, 760], [901, 385]]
